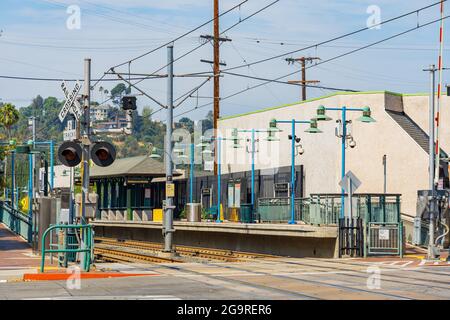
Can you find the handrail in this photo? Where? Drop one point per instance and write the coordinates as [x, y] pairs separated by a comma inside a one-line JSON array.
[[88, 243]]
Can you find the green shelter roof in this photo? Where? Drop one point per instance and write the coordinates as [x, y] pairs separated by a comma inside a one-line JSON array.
[[142, 166]]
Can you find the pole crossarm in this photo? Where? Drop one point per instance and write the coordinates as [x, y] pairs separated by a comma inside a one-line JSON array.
[[295, 121], [347, 109]]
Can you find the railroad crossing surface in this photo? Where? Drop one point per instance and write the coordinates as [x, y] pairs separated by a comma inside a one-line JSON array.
[[216, 275]]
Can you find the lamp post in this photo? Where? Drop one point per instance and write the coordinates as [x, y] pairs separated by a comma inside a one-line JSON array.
[[51, 145], [219, 141], [191, 166], [366, 118], [294, 139], [252, 150]]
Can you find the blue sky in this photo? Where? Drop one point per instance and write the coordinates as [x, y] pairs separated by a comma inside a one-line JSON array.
[[36, 42]]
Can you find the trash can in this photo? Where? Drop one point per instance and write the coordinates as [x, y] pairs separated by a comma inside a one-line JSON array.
[[193, 212], [247, 213]]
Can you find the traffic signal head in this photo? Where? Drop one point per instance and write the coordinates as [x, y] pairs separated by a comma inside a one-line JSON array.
[[69, 153], [129, 103], [103, 154]]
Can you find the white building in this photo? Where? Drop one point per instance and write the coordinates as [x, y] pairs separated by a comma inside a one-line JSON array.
[[99, 113], [400, 133]]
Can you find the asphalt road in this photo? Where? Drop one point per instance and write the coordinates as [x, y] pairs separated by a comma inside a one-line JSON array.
[[283, 278]]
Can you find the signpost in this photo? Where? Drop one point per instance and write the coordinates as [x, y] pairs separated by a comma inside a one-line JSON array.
[[72, 103], [70, 135], [349, 184]]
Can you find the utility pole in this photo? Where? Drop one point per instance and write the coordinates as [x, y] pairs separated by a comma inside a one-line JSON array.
[[431, 169], [216, 70], [86, 150], [86, 140], [303, 82], [384, 174], [32, 123], [168, 214], [216, 112]]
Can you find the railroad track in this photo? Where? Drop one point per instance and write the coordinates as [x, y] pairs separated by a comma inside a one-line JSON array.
[[186, 251], [117, 254]]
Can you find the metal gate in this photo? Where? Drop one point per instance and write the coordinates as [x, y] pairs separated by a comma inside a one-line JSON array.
[[385, 238], [351, 240]]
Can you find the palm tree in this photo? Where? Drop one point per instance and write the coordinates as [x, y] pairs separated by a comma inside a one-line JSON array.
[[9, 116]]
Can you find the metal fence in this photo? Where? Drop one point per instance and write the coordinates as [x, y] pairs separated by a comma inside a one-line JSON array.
[[324, 209], [18, 222]]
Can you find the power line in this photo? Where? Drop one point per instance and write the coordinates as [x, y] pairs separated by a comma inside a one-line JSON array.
[[179, 37], [227, 29], [60, 79], [335, 38], [267, 81], [196, 48], [322, 62]]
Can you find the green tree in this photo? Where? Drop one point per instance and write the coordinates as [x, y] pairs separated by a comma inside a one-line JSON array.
[[185, 123], [9, 116], [118, 91]]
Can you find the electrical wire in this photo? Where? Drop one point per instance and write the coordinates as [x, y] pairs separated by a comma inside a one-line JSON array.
[[335, 38], [181, 36], [201, 45], [319, 63]]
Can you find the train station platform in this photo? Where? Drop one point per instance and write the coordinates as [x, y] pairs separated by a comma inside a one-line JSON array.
[[297, 240]]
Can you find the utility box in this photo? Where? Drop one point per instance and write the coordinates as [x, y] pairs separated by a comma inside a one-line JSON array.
[[91, 205], [45, 214]]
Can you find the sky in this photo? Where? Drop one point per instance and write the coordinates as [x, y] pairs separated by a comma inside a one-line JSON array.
[[35, 41]]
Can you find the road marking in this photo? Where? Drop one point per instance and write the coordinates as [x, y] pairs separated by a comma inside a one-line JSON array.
[[143, 297], [406, 264]]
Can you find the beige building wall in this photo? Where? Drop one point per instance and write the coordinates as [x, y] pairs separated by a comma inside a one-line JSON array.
[[417, 107], [407, 162]]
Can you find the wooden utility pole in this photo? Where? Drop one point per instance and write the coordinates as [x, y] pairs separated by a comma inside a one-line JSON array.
[[216, 39], [216, 112], [304, 82]]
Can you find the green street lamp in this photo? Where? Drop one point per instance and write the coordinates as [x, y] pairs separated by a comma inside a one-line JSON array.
[[154, 154], [321, 116], [313, 127], [366, 118], [295, 150], [273, 130]]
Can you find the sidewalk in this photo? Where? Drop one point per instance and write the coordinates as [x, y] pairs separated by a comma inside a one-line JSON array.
[[16, 256]]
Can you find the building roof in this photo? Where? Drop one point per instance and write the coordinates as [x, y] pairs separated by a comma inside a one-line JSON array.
[[343, 93], [134, 166]]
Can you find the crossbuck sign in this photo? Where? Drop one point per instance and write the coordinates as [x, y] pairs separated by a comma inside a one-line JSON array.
[[72, 103]]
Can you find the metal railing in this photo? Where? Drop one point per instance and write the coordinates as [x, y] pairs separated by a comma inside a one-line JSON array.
[[84, 243], [18, 222], [324, 209]]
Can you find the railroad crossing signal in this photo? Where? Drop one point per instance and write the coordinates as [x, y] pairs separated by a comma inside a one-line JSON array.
[[72, 103], [70, 154]]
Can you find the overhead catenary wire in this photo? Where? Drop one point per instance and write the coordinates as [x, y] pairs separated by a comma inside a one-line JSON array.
[[181, 36], [319, 63], [335, 38], [202, 44], [191, 51]]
